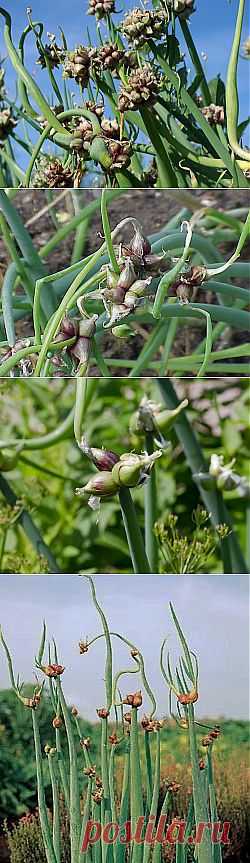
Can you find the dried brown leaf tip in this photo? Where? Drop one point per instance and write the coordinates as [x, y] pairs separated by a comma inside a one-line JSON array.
[[133, 699]]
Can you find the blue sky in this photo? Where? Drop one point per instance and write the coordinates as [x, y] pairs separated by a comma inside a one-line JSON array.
[[212, 29], [212, 609]]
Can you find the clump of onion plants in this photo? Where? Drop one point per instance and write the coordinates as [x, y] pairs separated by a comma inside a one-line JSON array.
[[131, 825], [150, 284], [122, 102], [127, 476]]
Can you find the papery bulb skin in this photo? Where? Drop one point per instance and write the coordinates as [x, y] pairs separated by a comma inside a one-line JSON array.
[[134, 699], [87, 326], [207, 740], [83, 646], [127, 276], [101, 485], [89, 771], [143, 420], [137, 291], [53, 670], [153, 263], [151, 418], [101, 8], [69, 327], [102, 712], [81, 350], [111, 277], [188, 697], [174, 787], [113, 739], [102, 459], [140, 245], [57, 722]]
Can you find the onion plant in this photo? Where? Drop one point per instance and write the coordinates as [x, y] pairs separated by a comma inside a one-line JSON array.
[[136, 116], [153, 541], [133, 824], [143, 285]]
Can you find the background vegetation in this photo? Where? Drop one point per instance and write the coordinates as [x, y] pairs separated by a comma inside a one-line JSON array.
[[17, 763]]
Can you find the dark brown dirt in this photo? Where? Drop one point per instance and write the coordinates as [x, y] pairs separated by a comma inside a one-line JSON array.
[[152, 207]]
